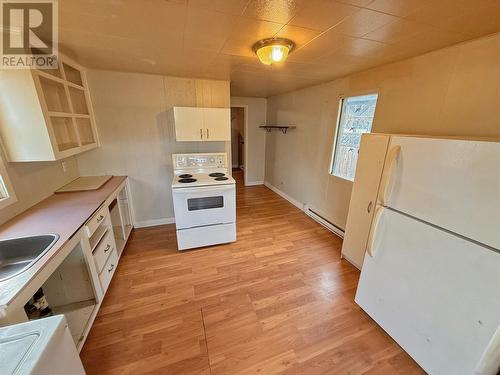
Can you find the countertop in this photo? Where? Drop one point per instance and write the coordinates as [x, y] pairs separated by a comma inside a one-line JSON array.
[[62, 213]]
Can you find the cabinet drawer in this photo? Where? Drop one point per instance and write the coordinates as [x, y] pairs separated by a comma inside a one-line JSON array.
[[94, 222], [103, 250], [109, 269]]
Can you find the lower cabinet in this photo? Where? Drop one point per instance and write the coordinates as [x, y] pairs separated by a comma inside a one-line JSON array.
[[108, 230], [70, 289], [76, 279], [108, 270], [103, 250]]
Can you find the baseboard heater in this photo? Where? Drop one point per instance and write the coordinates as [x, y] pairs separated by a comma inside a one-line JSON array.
[[325, 222]]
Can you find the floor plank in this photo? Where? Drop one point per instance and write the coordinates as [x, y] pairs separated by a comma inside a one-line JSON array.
[[279, 300]]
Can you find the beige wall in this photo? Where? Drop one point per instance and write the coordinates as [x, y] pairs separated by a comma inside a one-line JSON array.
[[137, 136], [36, 181], [453, 91], [255, 112]]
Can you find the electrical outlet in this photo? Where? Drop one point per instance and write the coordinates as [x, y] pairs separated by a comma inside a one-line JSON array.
[[64, 166]]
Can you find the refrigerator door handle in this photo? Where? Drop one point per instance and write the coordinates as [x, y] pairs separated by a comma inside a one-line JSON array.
[[373, 230], [387, 174]]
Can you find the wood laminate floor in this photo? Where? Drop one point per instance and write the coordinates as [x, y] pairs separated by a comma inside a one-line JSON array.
[[279, 300]]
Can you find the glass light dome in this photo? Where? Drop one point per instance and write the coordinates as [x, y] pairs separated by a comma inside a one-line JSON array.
[[273, 50]]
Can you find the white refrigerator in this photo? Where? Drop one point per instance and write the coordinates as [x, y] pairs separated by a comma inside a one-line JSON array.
[[431, 274]]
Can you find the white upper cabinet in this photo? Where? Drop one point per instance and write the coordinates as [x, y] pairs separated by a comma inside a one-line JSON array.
[[188, 124], [217, 122], [202, 124], [46, 114]]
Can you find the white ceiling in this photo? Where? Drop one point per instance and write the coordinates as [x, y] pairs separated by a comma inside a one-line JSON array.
[[213, 38]]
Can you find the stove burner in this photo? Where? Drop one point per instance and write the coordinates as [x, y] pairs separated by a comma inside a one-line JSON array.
[[221, 178], [217, 174], [187, 180], [185, 175]]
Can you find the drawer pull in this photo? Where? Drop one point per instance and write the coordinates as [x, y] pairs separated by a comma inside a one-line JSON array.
[[99, 219], [111, 268], [107, 248]]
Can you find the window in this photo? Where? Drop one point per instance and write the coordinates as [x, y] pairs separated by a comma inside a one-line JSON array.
[[7, 195], [356, 118]]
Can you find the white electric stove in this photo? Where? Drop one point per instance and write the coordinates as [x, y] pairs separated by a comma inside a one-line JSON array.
[[204, 196]]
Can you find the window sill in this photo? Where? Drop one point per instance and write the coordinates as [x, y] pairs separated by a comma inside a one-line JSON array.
[[6, 202], [341, 178]]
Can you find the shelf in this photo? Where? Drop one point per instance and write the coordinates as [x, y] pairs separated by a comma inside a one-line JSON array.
[[64, 133], [120, 245], [60, 114], [72, 75], [98, 235], [74, 85], [54, 77], [52, 72], [77, 315], [84, 127], [283, 129], [54, 94], [78, 101], [119, 240]]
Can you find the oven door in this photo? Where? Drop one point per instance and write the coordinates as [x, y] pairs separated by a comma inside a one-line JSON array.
[[204, 205]]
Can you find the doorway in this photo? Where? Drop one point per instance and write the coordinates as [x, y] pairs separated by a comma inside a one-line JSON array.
[[238, 120]]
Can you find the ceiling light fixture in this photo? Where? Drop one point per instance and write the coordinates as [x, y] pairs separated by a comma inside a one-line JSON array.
[[273, 50]]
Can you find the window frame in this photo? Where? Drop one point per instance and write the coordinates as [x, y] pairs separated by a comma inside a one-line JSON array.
[[6, 184], [342, 98]]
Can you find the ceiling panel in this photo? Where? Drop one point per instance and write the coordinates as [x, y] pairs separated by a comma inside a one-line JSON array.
[[322, 14], [363, 22], [213, 38], [300, 35], [273, 10], [399, 8]]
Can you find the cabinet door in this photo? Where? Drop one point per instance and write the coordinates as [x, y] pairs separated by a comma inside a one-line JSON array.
[[217, 124], [364, 196], [188, 124]]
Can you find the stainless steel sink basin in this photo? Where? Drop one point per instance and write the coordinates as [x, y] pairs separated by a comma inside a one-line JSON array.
[[19, 254]]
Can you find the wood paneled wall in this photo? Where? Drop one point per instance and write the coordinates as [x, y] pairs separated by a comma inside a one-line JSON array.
[[137, 137]]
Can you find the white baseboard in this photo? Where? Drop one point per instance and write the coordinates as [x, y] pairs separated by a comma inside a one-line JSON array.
[[321, 218], [254, 183], [309, 211], [350, 261], [154, 222], [295, 202]]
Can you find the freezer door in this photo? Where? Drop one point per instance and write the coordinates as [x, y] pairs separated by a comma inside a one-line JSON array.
[[436, 294], [453, 184]]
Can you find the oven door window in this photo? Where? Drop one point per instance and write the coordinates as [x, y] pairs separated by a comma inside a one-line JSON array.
[[205, 203]]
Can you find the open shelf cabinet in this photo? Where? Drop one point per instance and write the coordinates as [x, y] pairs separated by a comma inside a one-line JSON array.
[[54, 110], [119, 210], [70, 290]]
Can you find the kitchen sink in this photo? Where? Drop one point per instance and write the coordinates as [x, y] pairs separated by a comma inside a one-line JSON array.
[[19, 254]]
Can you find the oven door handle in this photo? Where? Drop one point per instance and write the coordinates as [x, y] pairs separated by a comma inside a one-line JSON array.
[[204, 189]]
